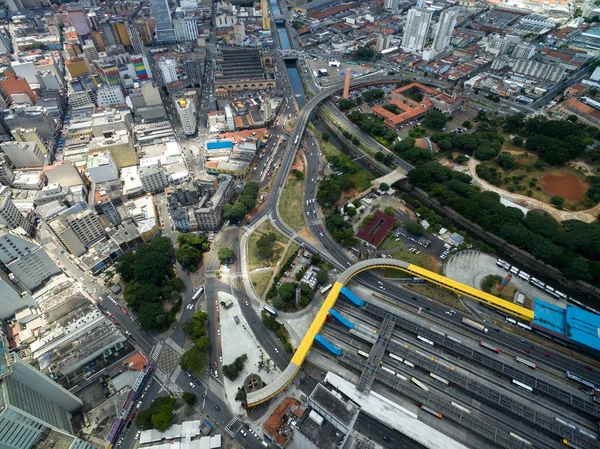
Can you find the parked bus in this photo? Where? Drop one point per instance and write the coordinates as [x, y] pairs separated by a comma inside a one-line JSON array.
[[521, 439], [524, 326], [511, 320], [395, 357], [326, 289], [460, 407], [489, 346], [522, 385], [525, 362], [363, 354], [433, 412], [580, 380], [411, 364], [197, 294], [439, 379], [270, 310], [425, 340], [419, 384]]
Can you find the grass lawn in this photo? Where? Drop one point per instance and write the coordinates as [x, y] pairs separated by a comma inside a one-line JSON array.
[[291, 250], [423, 260], [439, 294], [260, 280], [361, 176], [254, 260], [395, 274], [290, 205]]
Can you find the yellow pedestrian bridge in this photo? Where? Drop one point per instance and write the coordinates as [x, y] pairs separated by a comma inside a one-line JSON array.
[[271, 390]]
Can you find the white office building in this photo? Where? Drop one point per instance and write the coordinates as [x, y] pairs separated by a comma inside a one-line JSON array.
[[153, 178], [168, 70], [445, 27], [32, 405], [25, 259], [10, 215], [110, 95], [416, 29], [186, 110], [102, 167], [24, 154]]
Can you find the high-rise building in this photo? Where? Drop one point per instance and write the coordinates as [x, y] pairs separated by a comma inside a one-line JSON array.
[[32, 404], [193, 69], [32, 117], [391, 4], [136, 39], [186, 110], [29, 135], [146, 27], [445, 27], [26, 259], [165, 33], [416, 29], [153, 178], [7, 175], [239, 33], [10, 216], [109, 96], [168, 70], [24, 154], [90, 52], [264, 10]]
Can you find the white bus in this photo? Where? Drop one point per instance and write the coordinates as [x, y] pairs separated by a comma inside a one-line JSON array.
[[411, 364], [270, 310], [326, 289], [419, 384], [525, 362], [425, 340], [460, 407], [197, 294], [524, 326], [363, 353], [522, 385], [521, 439], [511, 320], [387, 370], [395, 357], [439, 379]]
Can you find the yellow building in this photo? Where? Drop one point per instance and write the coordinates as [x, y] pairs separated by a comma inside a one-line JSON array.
[[264, 9], [77, 67], [121, 34], [97, 36]]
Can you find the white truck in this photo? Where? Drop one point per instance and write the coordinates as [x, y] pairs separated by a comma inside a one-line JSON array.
[[474, 325]]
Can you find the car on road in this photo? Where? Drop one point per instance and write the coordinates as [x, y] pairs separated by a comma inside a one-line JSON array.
[[528, 351], [546, 355], [386, 439], [219, 332], [588, 368], [217, 408], [117, 322]]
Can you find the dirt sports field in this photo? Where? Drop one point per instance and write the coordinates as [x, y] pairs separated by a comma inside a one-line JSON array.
[[558, 182]]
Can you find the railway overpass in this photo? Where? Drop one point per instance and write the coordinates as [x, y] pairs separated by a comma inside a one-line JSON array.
[[271, 390]]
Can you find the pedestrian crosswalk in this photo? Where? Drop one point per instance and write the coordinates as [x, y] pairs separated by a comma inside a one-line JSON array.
[[175, 373], [232, 427], [156, 350], [299, 378]]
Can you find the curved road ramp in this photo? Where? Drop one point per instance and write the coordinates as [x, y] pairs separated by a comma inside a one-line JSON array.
[[273, 389]]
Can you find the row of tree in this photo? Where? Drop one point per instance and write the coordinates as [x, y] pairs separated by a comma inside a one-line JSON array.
[[194, 360], [571, 246], [150, 282], [244, 204]]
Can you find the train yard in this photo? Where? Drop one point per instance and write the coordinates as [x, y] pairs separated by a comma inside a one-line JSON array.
[[502, 397]]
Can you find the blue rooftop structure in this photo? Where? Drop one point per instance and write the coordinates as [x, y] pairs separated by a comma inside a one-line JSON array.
[[327, 345], [351, 297], [572, 323], [220, 145], [334, 313]]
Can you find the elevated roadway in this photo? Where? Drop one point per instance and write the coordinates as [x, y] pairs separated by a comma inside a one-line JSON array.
[[270, 391]]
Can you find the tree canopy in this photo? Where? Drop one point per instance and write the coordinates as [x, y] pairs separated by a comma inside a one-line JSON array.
[[149, 281], [246, 202], [190, 250], [193, 361], [434, 120], [158, 416], [265, 245], [232, 370], [225, 254]]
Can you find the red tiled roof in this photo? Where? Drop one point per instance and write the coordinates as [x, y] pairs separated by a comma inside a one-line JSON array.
[[376, 231]]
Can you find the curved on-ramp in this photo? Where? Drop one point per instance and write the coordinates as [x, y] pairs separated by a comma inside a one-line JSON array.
[[271, 390]]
